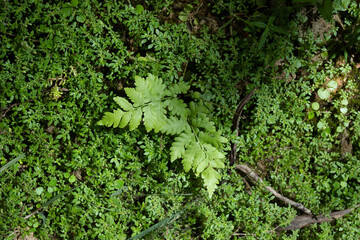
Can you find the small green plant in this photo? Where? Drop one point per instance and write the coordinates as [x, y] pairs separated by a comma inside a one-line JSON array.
[[186, 13], [197, 142]]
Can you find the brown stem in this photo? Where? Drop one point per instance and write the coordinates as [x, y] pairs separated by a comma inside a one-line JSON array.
[[249, 172], [236, 122], [306, 220]]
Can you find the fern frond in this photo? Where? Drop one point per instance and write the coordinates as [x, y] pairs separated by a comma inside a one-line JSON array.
[[175, 125], [202, 121], [123, 103], [177, 149], [125, 119], [200, 161], [197, 142], [214, 155], [154, 116], [214, 139], [198, 156], [152, 88], [111, 119], [181, 87], [190, 155], [135, 96], [178, 107], [136, 119], [211, 179], [198, 107], [157, 88]]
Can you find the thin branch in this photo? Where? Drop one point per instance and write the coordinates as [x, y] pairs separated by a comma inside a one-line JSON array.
[[249, 172], [33, 213], [236, 122], [306, 220], [8, 109], [22, 210]]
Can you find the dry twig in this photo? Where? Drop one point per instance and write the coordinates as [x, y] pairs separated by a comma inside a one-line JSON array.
[[236, 121], [249, 172], [306, 220]]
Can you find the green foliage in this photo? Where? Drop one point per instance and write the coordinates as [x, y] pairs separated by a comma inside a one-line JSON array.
[[64, 62], [161, 110]]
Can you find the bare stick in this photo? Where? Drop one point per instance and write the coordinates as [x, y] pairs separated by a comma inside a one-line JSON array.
[[235, 126], [33, 213], [306, 220], [246, 170]]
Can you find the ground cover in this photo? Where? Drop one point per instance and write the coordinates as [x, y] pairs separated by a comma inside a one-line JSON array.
[[69, 173]]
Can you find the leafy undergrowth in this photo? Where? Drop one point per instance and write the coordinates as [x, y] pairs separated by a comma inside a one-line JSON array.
[[65, 177]]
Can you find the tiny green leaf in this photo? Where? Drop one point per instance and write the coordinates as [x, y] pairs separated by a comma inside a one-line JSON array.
[[183, 16], [344, 110], [332, 85], [345, 102], [320, 125], [327, 130], [81, 18], [139, 9], [324, 54], [315, 106], [74, 2], [66, 10], [311, 115], [339, 129], [72, 178], [323, 93], [39, 190]]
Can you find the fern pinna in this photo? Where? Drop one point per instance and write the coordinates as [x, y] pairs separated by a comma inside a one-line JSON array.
[[197, 142]]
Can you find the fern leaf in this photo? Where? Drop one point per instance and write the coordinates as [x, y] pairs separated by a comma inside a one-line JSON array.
[[209, 156], [177, 149], [214, 139], [181, 87], [190, 155], [123, 103], [154, 116], [125, 119], [111, 118], [136, 119], [200, 162], [213, 152], [178, 107], [211, 179], [151, 88], [142, 87], [216, 163], [135, 96], [198, 107], [157, 88], [175, 125], [202, 121], [197, 142]]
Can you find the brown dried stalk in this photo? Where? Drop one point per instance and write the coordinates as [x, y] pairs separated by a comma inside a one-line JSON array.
[[249, 172]]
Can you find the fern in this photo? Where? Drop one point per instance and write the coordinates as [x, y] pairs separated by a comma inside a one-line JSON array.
[[197, 142]]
